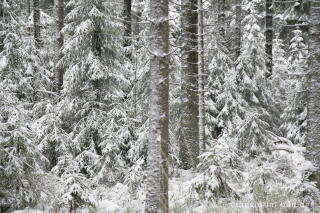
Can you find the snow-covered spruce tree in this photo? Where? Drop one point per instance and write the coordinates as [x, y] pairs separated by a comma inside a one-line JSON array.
[[218, 101], [138, 98], [93, 103], [51, 137], [263, 148], [251, 161], [294, 116], [295, 14], [279, 79], [20, 159], [257, 132], [75, 191], [219, 167]]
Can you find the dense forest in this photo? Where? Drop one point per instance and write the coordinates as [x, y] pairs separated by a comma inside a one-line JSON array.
[[158, 106]]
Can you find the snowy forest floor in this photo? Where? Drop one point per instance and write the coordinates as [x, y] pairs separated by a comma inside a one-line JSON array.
[[118, 199]]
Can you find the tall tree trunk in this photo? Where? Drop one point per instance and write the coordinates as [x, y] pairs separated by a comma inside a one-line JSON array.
[[313, 130], [222, 19], [29, 6], [135, 26], [2, 19], [157, 180], [269, 36], [96, 42], [127, 25], [60, 41], [36, 23], [189, 141], [202, 141], [237, 37]]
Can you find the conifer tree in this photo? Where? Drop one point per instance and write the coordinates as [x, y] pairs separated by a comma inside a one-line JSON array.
[[20, 159], [94, 112], [295, 112]]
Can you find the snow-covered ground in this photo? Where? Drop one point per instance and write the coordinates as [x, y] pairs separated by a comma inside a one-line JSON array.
[[118, 199]]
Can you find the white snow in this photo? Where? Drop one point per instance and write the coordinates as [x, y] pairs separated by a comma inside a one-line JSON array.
[[107, 206], [3, 62], [27, 211]]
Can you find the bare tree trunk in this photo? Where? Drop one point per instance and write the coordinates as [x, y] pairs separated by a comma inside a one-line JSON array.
[[2, 19], [127, 25], [36, 23], [60, 41], [237, 37], [97, 43], [313, 117], [189, 142], [157, 180], [222, 19], [29, 6], [202, 141], [269, 36]]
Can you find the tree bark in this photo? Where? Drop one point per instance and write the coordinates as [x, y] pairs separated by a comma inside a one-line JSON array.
[[29, 6], [60, 41], [237, 37], [96, 42], [157, 179], [36, 23], [269, 36], [2, 19], [313, 117], [202, 141], [189, 141], [222, 19], [127, 4]]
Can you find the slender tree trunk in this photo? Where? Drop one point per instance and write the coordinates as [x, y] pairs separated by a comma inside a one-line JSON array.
[[157, 179], [269, 36], [2, 19], [222, 19], [1, 10], [189, 142], [135, 26], [29, 6], [127, 25], [237, 37], [36, 23], [202, 141], [97, 41], [313, 130], [60, 41]]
